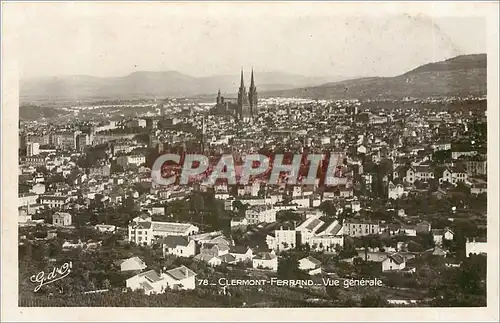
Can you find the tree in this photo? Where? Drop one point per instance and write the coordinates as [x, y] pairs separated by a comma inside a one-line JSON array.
[[328, 208], [288, 267], [106, 284]]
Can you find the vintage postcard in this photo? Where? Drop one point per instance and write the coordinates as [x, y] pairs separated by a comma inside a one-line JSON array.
[[249, 161]]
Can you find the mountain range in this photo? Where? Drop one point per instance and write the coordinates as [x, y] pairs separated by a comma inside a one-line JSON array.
[[459, 76], [143, 84]]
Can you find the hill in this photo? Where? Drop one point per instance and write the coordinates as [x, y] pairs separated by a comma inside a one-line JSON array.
[[146, 85], [459, 76]]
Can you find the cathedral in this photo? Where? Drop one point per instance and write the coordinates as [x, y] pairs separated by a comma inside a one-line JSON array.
[[245, 108]]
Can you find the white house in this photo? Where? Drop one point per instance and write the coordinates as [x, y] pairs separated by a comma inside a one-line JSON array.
[[328, 243], [105, 228], [132, 264], [180, 278], [476, 246], [440, 235], [210, 259], [152, 283], [142, 230], [311, 265], [61, 219], [241, 253], [23, 216], [131, 160], [395, 191], [453, 176], [409, 230], [140, 233], [178, 246], [27, 199], [261, 213], [394, 262], [265, 260], [282, 239]]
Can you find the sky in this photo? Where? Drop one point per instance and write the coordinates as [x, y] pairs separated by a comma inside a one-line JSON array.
[[115, 39]]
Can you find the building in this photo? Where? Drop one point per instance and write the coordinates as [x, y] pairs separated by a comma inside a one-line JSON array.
[[395, 191], [178, 246], [355, 228], [23, 215], [210, 259], [33, 161], [476, 165], [54, 201], [423, 227], [38, 189], [457, 154], [27, 199], [246, 107], [137, 123], [142, 230], [453, 176], [418, 173], [476, 246], [82, 141], [61, 219], [181, 278], [326, 242], [131, 160], [393, 262], [153, 283], [32, 149], [260, 213], [241, 253], [439, 235], [132, 264], [105, 228], [311, 265], [409, 230], [265, 260], [282, 239]]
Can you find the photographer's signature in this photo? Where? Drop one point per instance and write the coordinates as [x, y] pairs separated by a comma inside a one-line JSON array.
[[57, 273]]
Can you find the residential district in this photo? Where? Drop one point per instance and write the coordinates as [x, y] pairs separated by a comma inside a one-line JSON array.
[[405, 209]]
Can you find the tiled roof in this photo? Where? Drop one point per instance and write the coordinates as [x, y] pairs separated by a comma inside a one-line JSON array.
[[238, 249], [181, 273], [398, 259], [170, 227], [151, 276], [314, 260], [265, 256], [173, 241], [313, 224]]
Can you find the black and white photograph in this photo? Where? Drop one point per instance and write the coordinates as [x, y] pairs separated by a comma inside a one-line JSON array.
[[250, 155]]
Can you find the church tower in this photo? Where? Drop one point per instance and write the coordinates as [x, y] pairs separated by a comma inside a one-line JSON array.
[[219, 98], [252, 97], [244, 112]]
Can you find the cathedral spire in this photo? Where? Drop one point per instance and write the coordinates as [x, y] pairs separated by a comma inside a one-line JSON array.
[[242, 84], [252, 83]]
